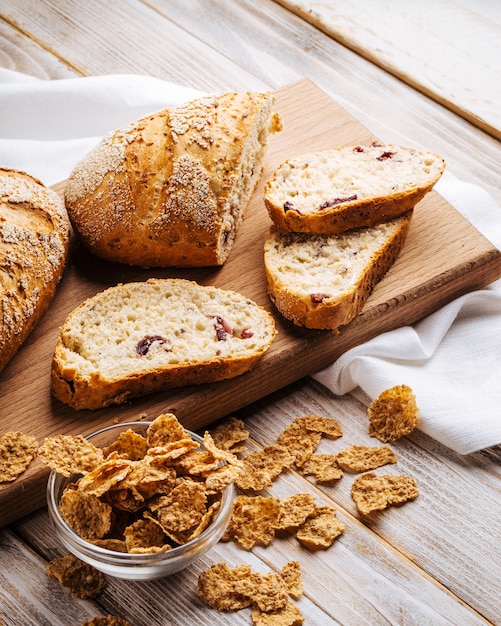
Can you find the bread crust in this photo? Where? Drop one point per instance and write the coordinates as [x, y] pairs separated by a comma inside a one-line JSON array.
[[170, 189], [311, 309], [93, 389], [34, 242], [355, 208]]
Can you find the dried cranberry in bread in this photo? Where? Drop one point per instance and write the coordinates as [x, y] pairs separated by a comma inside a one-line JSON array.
[[138, 338], [170, 189], [323, 281], [34, 239], [332, 191]]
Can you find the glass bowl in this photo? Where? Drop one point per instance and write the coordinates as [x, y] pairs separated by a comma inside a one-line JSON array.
[[126, 565]]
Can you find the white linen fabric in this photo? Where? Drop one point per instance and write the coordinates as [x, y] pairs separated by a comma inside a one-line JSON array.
[[451, 359]]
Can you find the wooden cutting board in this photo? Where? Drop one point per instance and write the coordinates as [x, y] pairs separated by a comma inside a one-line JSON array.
[[443, 257]]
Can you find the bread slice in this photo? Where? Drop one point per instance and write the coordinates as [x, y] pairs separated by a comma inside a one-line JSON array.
[[171, 188], [332, 191], [323, 281], [138, 338], [34, 241]]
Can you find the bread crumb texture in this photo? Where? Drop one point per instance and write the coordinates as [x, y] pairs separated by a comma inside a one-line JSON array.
[[322, 281], [321, 180], [163, 332], [34, 239]]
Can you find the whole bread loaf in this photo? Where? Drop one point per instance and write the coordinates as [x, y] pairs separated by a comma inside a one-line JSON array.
[[138, 338], [170, 189], [332, 191], [323, 281], [34, 240]]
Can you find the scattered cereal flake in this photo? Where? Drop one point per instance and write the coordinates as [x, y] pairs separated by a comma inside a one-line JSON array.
[[217, 587], [299, 441], [222, 455], [289, 615], [321, 528], [79, 578], [108, 620], [261, 467], [143, 534], [164, 430], [363, 458], [268, 591], [183, 508], [324, 467], [291, 575], [108, 474], [252, 478], [129, 445], [221, 478], [273, 459], [374, 493], [86, 514], [229, 434], [17, 450], [393, 414], [253, 521], [294, 510], [327, 426], [68, 454]]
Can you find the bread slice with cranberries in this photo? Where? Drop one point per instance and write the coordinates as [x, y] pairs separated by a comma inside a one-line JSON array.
[[139, 338], [333, 191], [323, 281]]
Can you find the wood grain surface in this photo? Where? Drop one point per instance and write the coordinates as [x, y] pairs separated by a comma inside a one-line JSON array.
[[444, 256], [435, 561], [447, 50]]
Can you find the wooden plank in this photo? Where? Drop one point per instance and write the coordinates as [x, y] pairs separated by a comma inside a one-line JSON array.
[[444, 257], [378, 567], [443, 531], [28, 597], [445, 49]]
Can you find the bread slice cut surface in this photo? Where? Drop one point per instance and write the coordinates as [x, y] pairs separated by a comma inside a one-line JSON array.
[[323, 281], [138, 338], [332, 191]]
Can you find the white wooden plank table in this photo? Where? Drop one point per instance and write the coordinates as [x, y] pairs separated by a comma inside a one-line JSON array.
[[448, 49], [433, 561]]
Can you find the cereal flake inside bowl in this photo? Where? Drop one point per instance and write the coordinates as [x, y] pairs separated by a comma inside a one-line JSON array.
[[139, 500]]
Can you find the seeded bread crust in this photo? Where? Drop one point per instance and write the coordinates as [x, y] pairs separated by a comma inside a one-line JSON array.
[[139, 338], [170, 189], [333, 191], [34, 240], [323, 281]]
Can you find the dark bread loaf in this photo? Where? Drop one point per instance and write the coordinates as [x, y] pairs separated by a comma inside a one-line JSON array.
[[34, 240], [170, 189]]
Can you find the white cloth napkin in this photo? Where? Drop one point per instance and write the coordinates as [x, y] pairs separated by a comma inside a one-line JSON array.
[[451, 359]]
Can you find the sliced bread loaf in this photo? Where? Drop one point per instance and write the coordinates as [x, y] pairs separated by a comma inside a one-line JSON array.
[[333, 191], [323, 281], [171, 188], [138, 338]]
